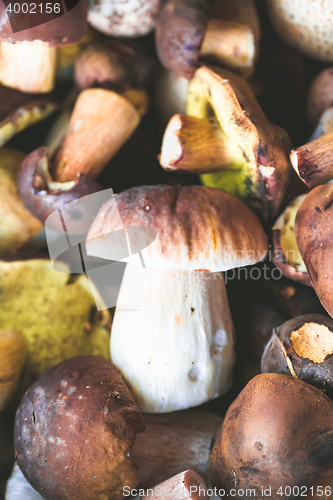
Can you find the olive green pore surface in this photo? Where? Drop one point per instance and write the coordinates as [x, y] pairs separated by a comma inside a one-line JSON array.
[[54, 311], [206, 99]]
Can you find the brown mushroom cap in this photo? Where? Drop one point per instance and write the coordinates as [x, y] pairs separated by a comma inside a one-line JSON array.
[[277, 433], [70, 27], [199, 228], [74, 431]]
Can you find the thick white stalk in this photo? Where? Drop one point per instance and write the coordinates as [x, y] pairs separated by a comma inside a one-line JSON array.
[[174, 346]]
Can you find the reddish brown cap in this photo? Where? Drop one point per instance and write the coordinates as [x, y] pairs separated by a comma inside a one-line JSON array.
[[199, 228], [54, 29]]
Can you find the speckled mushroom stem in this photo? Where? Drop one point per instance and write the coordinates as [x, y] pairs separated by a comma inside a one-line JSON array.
[[230, 44], [198, 146], [28, 66], [101, 122], [313, 161], [173, 442], [187, 485]]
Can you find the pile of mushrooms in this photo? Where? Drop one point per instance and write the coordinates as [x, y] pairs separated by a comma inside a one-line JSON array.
[[165, 250]]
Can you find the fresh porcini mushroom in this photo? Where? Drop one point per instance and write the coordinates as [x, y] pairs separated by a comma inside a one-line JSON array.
[[184, 33], [302, 347], [312, 161], [286, 255], [55, 312], [313, 230], [185, 438], [74, 430], [187, 485], [47, 183], [19, 111], [240, 11], [12, 356], [28, 54], [324, 126], [123, 19], [307, 29], [245, 154], [17, 224], [182, 330], [276, 435]]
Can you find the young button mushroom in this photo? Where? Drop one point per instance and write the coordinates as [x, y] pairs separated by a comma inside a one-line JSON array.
[[74, 431], [314, 236], [184, 33], [28, 56], [123, 19], [17, 224], [302, 347], [248, 155], [181, 333], [276, 435], [173, 442], [306, 27], [286, 255]]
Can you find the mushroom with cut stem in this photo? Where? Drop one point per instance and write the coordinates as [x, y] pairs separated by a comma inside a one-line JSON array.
[[181, 333], [28, 56], [101, 122], [123, 19], [187, 485], [227, 138], [184, 33]]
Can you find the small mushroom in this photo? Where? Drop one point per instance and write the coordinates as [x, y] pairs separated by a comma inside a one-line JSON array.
[[314, 236], [123, 19], [312, 161], [187, 485], [18, 111], [302, 347], [74, 431], [276, 437], [286, 255], [181, 332], [12, 356], [54, 311], [28, 44], [243, 152], [17, 224], [185, 439], [184, 33], [307, 28]]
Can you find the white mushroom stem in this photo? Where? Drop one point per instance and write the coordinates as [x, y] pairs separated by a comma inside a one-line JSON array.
[[229, 43], [188, 485], [171, 96], [28, 66], [173, 442], [324, 126], [181, 339], [198, 146]]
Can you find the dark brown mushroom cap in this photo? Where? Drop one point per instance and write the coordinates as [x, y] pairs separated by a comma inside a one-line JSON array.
[[41, 201], [180, 30], [199, 228], [277, 433], [70, 27], [314, 236], [74, 431]]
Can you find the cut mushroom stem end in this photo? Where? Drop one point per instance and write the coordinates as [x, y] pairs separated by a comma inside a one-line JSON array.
[[188, 485], [198, 146], [28, 66]]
